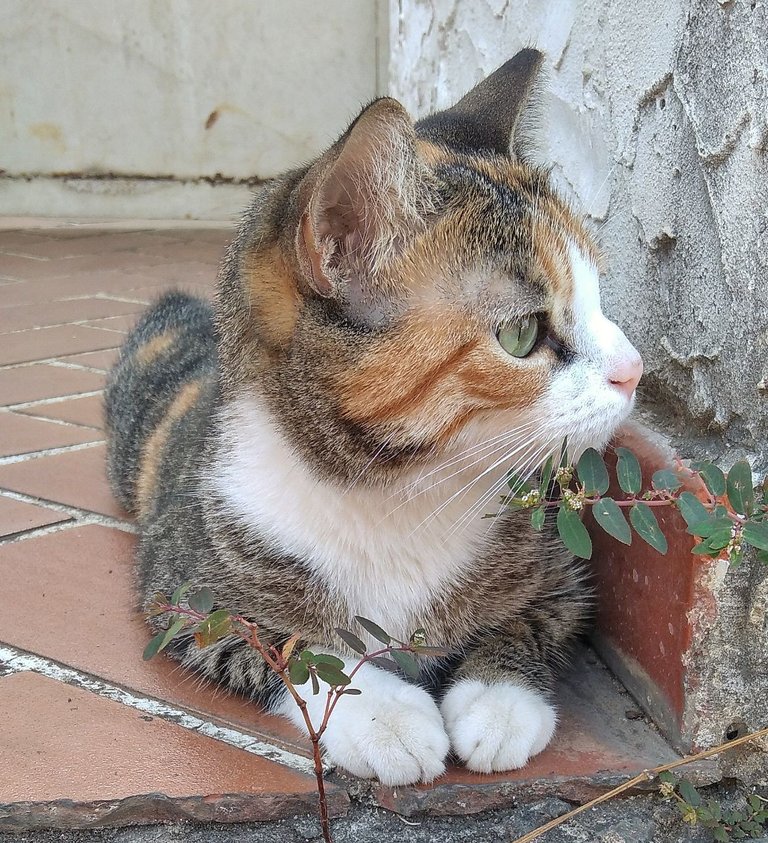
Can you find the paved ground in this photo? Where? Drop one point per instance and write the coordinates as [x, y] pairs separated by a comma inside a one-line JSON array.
[[89, 734]]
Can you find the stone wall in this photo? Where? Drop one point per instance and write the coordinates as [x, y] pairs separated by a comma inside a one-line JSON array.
[[658, 127]]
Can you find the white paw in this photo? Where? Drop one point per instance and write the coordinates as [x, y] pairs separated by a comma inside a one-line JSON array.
[[496, 727], [391, 731]]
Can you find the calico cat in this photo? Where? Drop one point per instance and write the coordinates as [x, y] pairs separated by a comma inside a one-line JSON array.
[[396, 326]]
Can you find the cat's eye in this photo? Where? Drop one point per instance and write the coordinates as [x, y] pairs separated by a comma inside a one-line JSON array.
[[519, 338]]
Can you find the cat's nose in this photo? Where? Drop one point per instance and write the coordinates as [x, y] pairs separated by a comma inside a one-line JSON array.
[[625, 374]]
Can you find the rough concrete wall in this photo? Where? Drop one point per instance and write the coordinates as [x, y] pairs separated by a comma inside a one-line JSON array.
[[658, 127]]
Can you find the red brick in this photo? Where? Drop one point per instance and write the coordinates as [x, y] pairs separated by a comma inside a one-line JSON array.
[[88, 411], [23, 435], [44, 343], [67, 756], [18, 516], [33, 383], [76, 478]]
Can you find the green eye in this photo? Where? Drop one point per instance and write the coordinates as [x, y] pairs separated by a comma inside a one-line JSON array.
[[519, 338]]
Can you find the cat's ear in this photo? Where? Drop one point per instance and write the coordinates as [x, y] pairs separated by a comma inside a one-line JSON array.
[[360, 200], [498, 115]]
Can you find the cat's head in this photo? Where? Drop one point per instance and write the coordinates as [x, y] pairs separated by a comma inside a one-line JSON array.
[[420, 290]]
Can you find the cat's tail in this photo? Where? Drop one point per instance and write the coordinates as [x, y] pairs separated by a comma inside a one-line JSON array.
[[157, 377]]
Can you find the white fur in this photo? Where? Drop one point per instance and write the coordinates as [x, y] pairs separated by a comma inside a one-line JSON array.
[[392, 731], [384, 553], [495, 727]]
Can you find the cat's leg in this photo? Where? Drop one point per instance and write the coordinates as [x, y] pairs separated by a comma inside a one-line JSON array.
[[392, 730], [499, 712]]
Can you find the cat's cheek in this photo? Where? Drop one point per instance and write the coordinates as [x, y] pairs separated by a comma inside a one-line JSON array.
[[392, 730], [496, 727]]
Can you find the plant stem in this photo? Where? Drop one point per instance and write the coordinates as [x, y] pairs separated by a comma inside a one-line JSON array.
[[646, 775]]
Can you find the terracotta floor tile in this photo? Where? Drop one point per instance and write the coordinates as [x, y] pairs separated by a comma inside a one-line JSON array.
[[87, 411], [23, 435], [40, 344], [123, 324], [32, 383], [77, 478], [58, 312], [18, 516], [62, 744], [103, 360], [78, 585]]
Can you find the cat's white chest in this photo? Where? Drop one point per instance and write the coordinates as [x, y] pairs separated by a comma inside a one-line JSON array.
[[386, 556]]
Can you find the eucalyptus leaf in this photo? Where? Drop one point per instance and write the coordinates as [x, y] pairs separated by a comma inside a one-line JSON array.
[[666, 479], [609, 516], [202, 600], [298, 671], [628, 471], [592, 472], [756, 534], [407, 663], [573, 533], [153, 648], [374, 629], [537, 518], [647, 527], [351, 640], [332, 675], [713, 478], [691, 508], [741, 494]]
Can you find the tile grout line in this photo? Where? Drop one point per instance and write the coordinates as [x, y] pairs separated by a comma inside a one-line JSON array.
[[45, 402], [50, 452], [78, 517], [17, 661]]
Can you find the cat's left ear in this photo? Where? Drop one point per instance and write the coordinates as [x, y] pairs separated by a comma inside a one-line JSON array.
[[360, 200], [501, 114]]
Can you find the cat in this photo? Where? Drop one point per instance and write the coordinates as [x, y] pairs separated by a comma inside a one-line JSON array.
[[396, 325]]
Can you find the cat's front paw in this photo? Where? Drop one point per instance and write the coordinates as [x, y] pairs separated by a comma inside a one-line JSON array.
[[495, 727], [393, 733]]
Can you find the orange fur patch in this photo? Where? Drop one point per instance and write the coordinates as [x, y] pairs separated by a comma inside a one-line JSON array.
[[273, 295], [151, 350], [154, 446]]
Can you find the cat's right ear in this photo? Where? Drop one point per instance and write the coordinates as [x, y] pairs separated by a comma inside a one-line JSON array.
[[360, 200], [501, 114]]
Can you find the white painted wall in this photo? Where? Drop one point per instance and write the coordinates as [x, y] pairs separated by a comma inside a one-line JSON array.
[[183, 89]]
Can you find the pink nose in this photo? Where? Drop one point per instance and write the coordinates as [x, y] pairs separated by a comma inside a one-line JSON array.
[[626, 375]]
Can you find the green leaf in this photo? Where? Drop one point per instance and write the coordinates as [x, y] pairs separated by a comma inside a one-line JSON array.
[[573, 533], [407, 663], [609, 516], [179, 593], [666, 479], [628, 471], [315, 683], [719, 539], [756, 534], [762, 556], [689, 793], [691, 508], [709, 526], [667, 777], [298, 672], [592, 472], [307, 656], [741, 495], [353, 692], [384, 663], [546, 475], [172, 631], [351, 640], [374, 629], [720, 834], [713, 478], [202, 600], [537, 518], [647, 527], [153, 648], [518, 485], [332, 675], [701, 549], [213, 628], [333, 661]]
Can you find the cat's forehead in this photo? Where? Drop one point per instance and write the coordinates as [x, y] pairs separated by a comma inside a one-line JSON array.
[[502, 222]]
